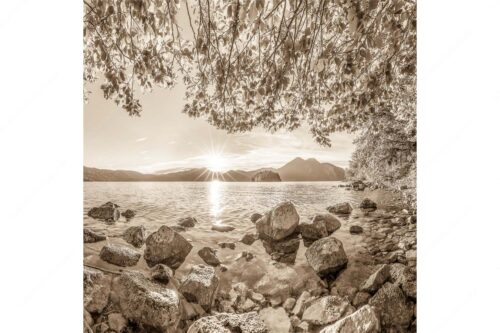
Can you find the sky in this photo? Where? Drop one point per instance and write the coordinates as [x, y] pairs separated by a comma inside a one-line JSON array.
[[165, 138]]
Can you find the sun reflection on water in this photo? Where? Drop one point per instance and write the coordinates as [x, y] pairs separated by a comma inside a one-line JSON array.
[[214, 199]]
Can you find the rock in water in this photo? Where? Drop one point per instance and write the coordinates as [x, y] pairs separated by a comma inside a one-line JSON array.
[[249, 322], [128, 214], [109, 212], [368, 205], [146, 303], [276, 320], [249, 239], [327, 309], [343, 208], [162, 273], [222, 227], [362, 321], [135, 235], [209, 256], [199, 286], [313, 229], [119, 255], [228, 245], [284, 250], [377, 279], [356, 229], [279, 222], [96, 290], [326, 256], [266, 176], [187, 222], [90, 236], [390, 304], [332, 223], [255, 217], [167, 247]]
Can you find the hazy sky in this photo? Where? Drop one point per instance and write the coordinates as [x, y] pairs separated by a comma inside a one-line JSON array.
[[163, 138]]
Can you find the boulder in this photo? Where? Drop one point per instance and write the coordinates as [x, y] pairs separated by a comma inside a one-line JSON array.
[[120, 255], [361, 298], [276, 320], [209, 256], [199, 286], [151, 305], [377, 279], [109, 212], [117, 322], [405, 277], [343, 208], [279, 222], [128, 214], [368, 205], [364, 320], [249, 238], [332, 223], [222, 227], [228, 245], [90, 236], [96, 290], [326, 256], [167, 247], [284, 250], [135, 235], [161, 273], [249, 322], [313, 229], [301, 302], [392, 308], [288, 304], [326, 310], [187, 222], [255, 217], [356, 229]]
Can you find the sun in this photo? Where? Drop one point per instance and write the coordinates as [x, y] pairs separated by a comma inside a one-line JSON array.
[[216, 162]]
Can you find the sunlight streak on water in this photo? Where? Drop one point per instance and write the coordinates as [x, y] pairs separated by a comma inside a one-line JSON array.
[[215, 200]]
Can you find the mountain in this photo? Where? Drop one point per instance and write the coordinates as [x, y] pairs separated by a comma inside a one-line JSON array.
[[295, 170], [266, 176]]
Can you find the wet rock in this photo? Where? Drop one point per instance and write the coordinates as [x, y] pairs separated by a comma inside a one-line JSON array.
[[313, 229], [167, 247], [326, 256], [228, 245], [279, 222], [222, 227], [284, 250], [255, 217], [90, 236], [301, 302], [146, 303], [356, 229], [377, 279], [276, 320], [199, 286], [332, 223], [289, 304], [229, 323], [187, 222], [368, 205], [249, 239], [343, 208], [128, 214], [117, 322], [120, 255], [364, 320], [392, 308], [108, 212], [135, 235], [162, 273], [96, 290], [361, 298], [326, 310], [209, 256]]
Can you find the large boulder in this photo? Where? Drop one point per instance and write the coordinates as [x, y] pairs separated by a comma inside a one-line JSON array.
[[390, 303], [96, 290], [109, 212], [279, 222], [120, 255], [249, 322], [343, 208], [167, 247], [364, 320], [326, 256], [135, 235], [327, 309], [90, 236], [209, 256], [199, 286], [276, 320], [151, 305]]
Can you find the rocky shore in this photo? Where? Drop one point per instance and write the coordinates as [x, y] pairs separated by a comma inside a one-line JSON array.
[[347, 269]]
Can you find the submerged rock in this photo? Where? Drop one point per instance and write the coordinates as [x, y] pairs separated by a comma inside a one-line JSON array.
[[187, 222], [162, 273], [120, 255], [109, 212], [146, 303], [326, 256], [390, 304], [228, 245], [364, 320], [128, 214], [209, 256], [276, 320], [96, 290], [249, 239], [135, 235], [255, 217], [249, 322], [368, 205], [222, 227], [343, 208], [356, 229], [90, 236], [167, 247], [199, 286], [279, 222]]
